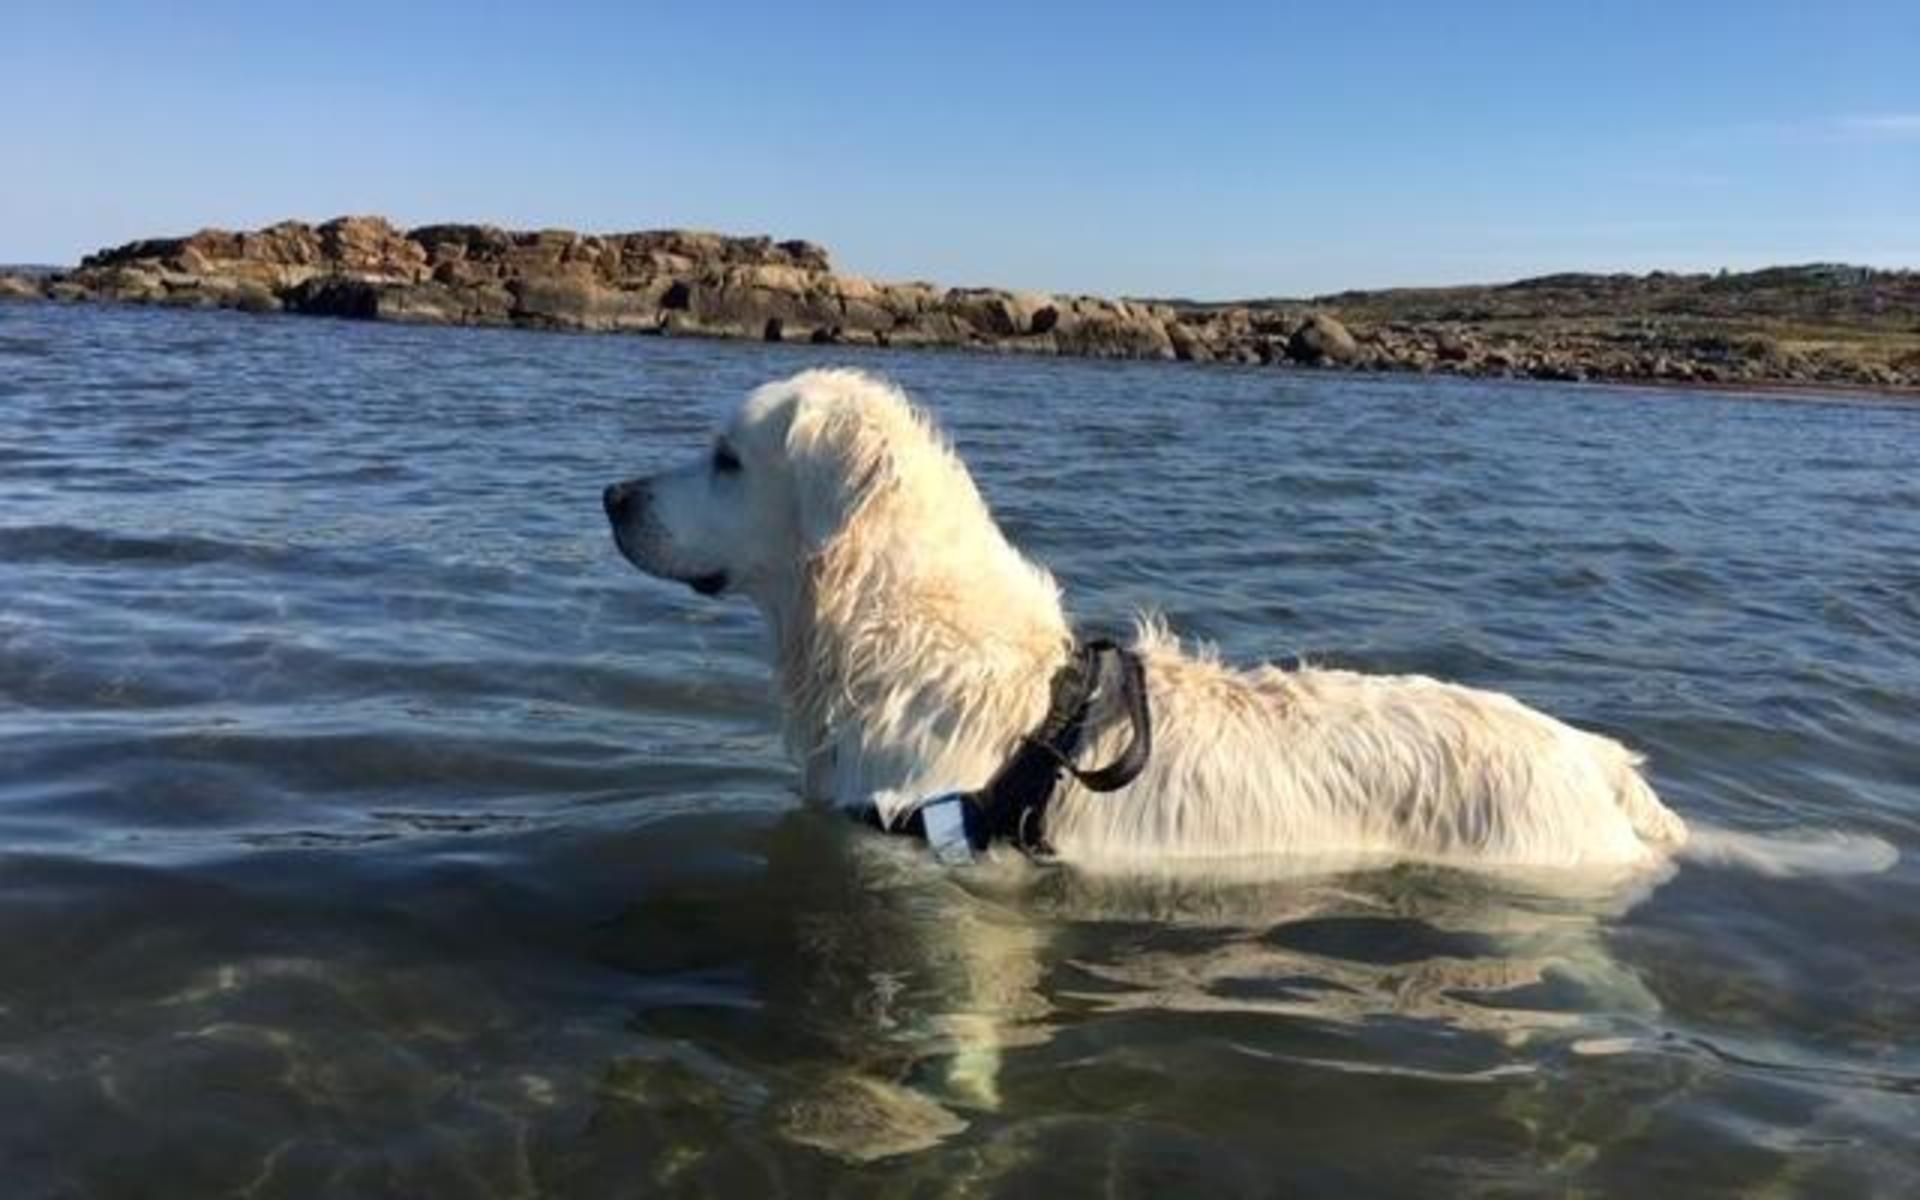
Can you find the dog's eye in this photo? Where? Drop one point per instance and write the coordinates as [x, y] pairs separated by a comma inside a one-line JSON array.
[[725, 461]]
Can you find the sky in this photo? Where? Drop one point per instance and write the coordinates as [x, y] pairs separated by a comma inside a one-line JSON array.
[[1207, 150]]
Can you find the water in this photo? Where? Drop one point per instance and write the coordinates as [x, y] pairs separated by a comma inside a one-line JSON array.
[[368, 828]]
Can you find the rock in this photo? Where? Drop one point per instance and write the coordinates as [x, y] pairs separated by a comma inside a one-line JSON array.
[[1273, 321], [434, 303], [1322, 340], [564, 302], [255, 298], [1556, 371], [19, 287], [1003, 314], [678, 296], [740, 302], [1450, 345], [868, 317], [862, 1119], [1188, 344], [370, 246], [931, 329], [334, 297], [143, 286], [1096, 328]]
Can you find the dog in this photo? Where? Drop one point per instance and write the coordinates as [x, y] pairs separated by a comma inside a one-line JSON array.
[[916, 652], [919, 656]]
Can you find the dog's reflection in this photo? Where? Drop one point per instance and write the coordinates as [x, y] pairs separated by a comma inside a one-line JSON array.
[[891, 991]]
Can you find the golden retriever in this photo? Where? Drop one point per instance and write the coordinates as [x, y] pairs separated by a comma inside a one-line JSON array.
[[916, 652], [914, 647]]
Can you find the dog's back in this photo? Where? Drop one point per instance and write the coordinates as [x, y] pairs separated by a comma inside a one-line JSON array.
[[1336, 763]]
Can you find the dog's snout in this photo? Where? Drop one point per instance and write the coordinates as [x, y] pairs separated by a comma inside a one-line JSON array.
[[619, 495]]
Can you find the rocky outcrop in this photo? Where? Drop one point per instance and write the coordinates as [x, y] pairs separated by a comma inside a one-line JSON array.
[[1691, 329], [1321, 339], [665, 281]]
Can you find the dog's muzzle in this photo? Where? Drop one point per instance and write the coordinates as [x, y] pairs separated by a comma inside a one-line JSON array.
[[618, 499], [621, 500]]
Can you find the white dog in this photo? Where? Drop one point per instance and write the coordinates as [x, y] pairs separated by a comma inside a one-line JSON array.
[[917, 653]]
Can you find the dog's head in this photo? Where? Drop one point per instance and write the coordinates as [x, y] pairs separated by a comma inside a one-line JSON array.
[[797, 465]]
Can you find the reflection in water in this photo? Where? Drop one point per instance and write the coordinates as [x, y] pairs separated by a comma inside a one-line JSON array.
[[1510, 957], [896, 990]]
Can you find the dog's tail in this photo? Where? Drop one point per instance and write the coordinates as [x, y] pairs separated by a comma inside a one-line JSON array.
[[1790, 852], [1783, 853], [1656, 824]]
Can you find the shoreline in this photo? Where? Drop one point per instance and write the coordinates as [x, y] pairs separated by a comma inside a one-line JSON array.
[[1783, 330], [1813, 393]]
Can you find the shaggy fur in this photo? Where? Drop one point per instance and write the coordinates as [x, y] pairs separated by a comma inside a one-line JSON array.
[[914, 645]]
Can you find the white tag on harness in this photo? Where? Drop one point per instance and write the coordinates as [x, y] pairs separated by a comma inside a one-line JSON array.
[[945, 820]]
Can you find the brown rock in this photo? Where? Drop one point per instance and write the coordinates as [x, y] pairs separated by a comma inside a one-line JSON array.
[[332, 296], [1450, 345], [1321, 339], [1003, 314], [1094, 328], [1188, 344]]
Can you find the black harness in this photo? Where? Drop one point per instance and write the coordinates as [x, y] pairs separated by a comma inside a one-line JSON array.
[[1012, 807]]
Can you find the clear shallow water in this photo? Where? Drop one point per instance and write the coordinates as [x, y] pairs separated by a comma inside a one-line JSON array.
[[367, 827]]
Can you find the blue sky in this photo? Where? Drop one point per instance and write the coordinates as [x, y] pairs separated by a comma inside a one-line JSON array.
[[1233, 149]]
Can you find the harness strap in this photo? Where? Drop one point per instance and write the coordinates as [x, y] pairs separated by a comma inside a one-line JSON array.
[[1133, 690], [1013, 804]]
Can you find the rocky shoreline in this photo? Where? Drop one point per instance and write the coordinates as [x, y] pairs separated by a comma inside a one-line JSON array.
[[1795, 326]]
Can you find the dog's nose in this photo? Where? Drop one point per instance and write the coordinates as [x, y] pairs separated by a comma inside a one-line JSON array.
[[615, 498]]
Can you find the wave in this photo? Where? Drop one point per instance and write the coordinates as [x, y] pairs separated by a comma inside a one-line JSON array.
[[1791, 853], [79, 546]]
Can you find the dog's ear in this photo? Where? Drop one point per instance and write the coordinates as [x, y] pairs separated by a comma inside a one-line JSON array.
[[841, 460]]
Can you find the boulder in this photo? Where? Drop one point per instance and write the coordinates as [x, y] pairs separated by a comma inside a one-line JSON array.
[[997, 313], [334, 296], [577, 302], [1188, 344], [137, 285], [1109, 329], [253, 297], [1321, 339], [559, 301], [740, 301], [1450, 345], [370, 246]]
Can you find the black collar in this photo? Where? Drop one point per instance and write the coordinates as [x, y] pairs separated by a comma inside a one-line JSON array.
[[1012, 807]]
